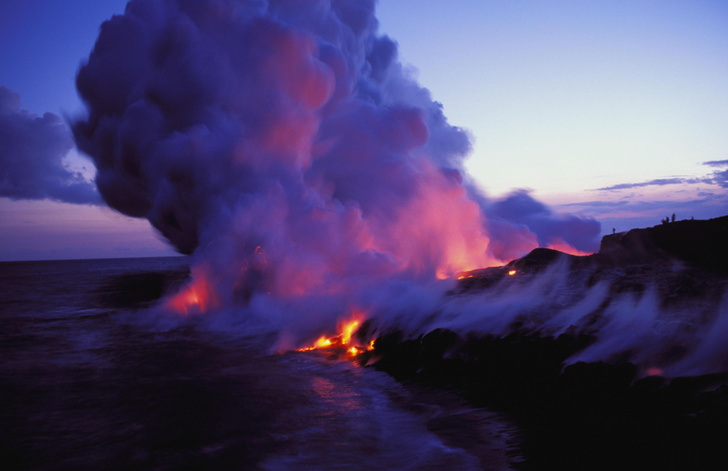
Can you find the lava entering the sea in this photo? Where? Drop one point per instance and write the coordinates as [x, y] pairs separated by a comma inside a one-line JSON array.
[[342, 342], [293, 156]]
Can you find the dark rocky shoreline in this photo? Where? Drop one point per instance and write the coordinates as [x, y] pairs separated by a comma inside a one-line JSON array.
[[588, 415], [583, 416]]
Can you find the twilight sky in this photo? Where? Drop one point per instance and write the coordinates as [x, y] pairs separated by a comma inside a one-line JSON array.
[[611, 109]]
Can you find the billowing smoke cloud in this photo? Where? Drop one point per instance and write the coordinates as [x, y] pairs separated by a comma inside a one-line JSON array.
[[535, 220], [284, 145], [32, 149]]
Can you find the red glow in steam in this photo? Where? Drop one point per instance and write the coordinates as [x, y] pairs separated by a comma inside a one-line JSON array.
[[197, 297], [289, 151], [562, 246], [441, 227]]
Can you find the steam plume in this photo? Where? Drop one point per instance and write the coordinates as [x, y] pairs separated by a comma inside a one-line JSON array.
[[284, 145], [520, 209]]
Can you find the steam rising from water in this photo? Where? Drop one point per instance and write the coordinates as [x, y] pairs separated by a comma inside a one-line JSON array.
[[283, 145], [670, 335]]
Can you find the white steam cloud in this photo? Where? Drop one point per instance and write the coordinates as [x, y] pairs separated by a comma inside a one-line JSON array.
[[283, 144]]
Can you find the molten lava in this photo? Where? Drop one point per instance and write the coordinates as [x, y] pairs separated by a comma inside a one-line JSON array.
[[512, 272], [341, 341]]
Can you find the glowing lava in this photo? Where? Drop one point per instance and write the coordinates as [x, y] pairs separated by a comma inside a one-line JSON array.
[[341, 341], [512, 272]]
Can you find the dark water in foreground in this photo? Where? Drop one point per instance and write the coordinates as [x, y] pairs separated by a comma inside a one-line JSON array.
[[85, 385]]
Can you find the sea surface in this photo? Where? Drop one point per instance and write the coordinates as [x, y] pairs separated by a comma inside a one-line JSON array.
[[86, 383]]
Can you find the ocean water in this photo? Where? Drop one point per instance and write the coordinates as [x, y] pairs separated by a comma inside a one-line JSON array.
[[85, 383]]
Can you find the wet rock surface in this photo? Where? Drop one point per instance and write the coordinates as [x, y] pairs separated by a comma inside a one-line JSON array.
[[582, 416], [610, 414]]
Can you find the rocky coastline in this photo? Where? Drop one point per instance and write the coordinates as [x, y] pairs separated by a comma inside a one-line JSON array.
[[606, 414]]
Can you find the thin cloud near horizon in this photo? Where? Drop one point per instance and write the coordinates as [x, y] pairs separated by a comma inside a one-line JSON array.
[[717, 177]]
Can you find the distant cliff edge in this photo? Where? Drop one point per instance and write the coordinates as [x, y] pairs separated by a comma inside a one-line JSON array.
[[701, 243]]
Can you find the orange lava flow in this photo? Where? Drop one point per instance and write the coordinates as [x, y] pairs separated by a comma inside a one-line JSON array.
[[512, 272], [342, 340]]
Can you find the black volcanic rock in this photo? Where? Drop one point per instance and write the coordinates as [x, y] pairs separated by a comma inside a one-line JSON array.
[[702, 244], [598, 414], [684, 260], [537, 260], [585, 416]]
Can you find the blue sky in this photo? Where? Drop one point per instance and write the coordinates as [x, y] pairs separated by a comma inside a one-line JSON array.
[[605, 108], [566, 97]]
